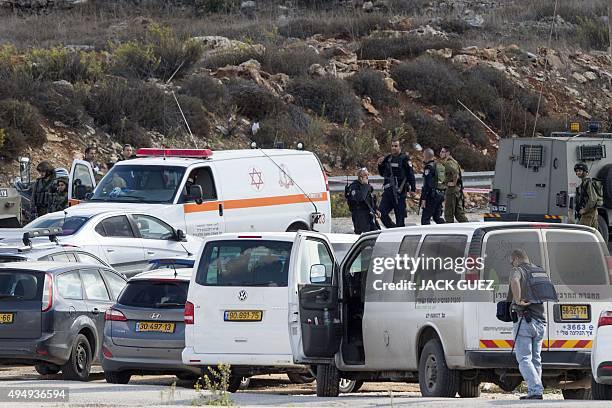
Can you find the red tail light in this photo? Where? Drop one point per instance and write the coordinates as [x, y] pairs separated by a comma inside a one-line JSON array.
[[114, 315], [47, 297], [106, 352], [605, 319], [188, 314]]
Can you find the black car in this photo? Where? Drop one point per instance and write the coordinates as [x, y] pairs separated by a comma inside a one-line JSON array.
[[52, 315]]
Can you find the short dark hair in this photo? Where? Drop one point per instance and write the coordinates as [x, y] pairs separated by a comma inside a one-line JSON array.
[[396, 139], [89, 149], [446, 147], [127, 145]]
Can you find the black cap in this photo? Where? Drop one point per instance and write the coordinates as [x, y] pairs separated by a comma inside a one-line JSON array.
[[581, 166]]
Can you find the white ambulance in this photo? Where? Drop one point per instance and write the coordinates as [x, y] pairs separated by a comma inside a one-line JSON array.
[[207, 193], [371, 324]]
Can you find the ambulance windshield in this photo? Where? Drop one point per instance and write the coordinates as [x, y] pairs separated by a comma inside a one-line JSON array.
[[139, 184]]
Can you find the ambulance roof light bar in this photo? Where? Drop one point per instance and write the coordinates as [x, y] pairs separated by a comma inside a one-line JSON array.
[[188, 153]]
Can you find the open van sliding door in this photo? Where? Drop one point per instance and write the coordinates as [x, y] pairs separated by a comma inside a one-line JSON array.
[[81, 182], [315, 327]]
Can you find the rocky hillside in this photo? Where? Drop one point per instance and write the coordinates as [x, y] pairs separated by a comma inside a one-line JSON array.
[[343, 77]]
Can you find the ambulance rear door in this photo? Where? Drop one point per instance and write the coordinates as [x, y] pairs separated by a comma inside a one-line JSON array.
[[81, 181]]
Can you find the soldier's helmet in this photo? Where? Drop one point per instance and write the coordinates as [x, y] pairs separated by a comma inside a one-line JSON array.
[[581, 166], [44, 167]]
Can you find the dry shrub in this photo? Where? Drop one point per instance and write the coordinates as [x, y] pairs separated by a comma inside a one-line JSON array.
[[404, 47], [345, 26], [209, 90], [21, 123], [371, 83], [328, 97], [292, 61], [252, 100], [231, 57], [469, 127]]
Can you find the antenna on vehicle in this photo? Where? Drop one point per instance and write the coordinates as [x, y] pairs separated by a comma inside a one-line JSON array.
[[290, 178], [477, 118], [179, 105], [186, 250]]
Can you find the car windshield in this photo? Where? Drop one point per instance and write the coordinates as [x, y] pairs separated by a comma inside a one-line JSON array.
[[170, 294], [245, 263], [141, 184], [69, 224]]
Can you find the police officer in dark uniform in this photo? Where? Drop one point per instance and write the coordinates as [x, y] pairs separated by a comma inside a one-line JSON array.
[[362, 203], [431, 197], [396, 168]]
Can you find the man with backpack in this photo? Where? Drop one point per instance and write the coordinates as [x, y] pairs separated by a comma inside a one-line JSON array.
[[530, 286], [453, 185], [589, 196], [431, 194]]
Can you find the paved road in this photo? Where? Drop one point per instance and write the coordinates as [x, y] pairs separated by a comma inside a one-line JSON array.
[[345, 225], [265, 391]]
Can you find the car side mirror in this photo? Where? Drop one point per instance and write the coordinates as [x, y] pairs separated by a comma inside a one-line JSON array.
[[317, 273], [196, 194], [180, 236]]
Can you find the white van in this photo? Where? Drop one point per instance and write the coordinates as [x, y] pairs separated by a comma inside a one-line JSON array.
[[207, 193], [236, 311], [448, 340]]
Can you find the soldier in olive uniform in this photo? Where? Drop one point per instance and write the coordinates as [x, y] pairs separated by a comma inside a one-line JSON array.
[[431, 196], [43, 188], [59, 199], [586, 198], [453, 197]]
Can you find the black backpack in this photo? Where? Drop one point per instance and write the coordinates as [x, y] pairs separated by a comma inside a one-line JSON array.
[[536, 285]]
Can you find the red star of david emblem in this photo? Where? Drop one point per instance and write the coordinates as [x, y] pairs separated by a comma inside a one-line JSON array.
[[256, 179]]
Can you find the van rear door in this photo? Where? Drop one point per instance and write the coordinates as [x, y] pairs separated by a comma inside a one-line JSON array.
[[530, 177], [20, 304], [494, 335], [82, 181], [578, 268], [315, 326], [240, 297]]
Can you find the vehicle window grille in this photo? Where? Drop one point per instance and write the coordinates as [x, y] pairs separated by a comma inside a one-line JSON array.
[[532, 155], [591, 152]]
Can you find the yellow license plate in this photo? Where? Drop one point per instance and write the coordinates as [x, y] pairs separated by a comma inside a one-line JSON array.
[[575, 312], [243, 315], [161, 327], [6, 318]]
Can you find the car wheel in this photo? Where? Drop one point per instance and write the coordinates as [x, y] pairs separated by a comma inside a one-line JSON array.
[[347, 386], [601, 391], [577, 394], [328, 380], [299, 378], [117, 377], [435, 378], [79, 363], [469, 389], [47, 369]]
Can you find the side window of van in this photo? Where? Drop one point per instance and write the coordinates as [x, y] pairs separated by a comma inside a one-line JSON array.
[[408, 247], [576, 258], [436, 250], [498, 248], [202, 177]]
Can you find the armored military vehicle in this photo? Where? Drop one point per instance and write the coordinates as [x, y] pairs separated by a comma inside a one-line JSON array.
[[535, 180]]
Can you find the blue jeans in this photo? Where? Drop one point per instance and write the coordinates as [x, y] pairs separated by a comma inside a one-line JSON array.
[[528, 351]]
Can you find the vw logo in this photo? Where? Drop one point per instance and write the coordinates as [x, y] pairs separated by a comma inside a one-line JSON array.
[[242, 295], [155, 315]]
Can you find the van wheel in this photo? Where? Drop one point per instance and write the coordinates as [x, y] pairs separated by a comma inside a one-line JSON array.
[[296, 226], [47, 369], [601, 391], [469, 389], [299, 378], [233, 383], [435, 378], [577, 394], [244, 383], [328, 380], [348, 386], [79, 363], [117, 377], [602, 226]]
